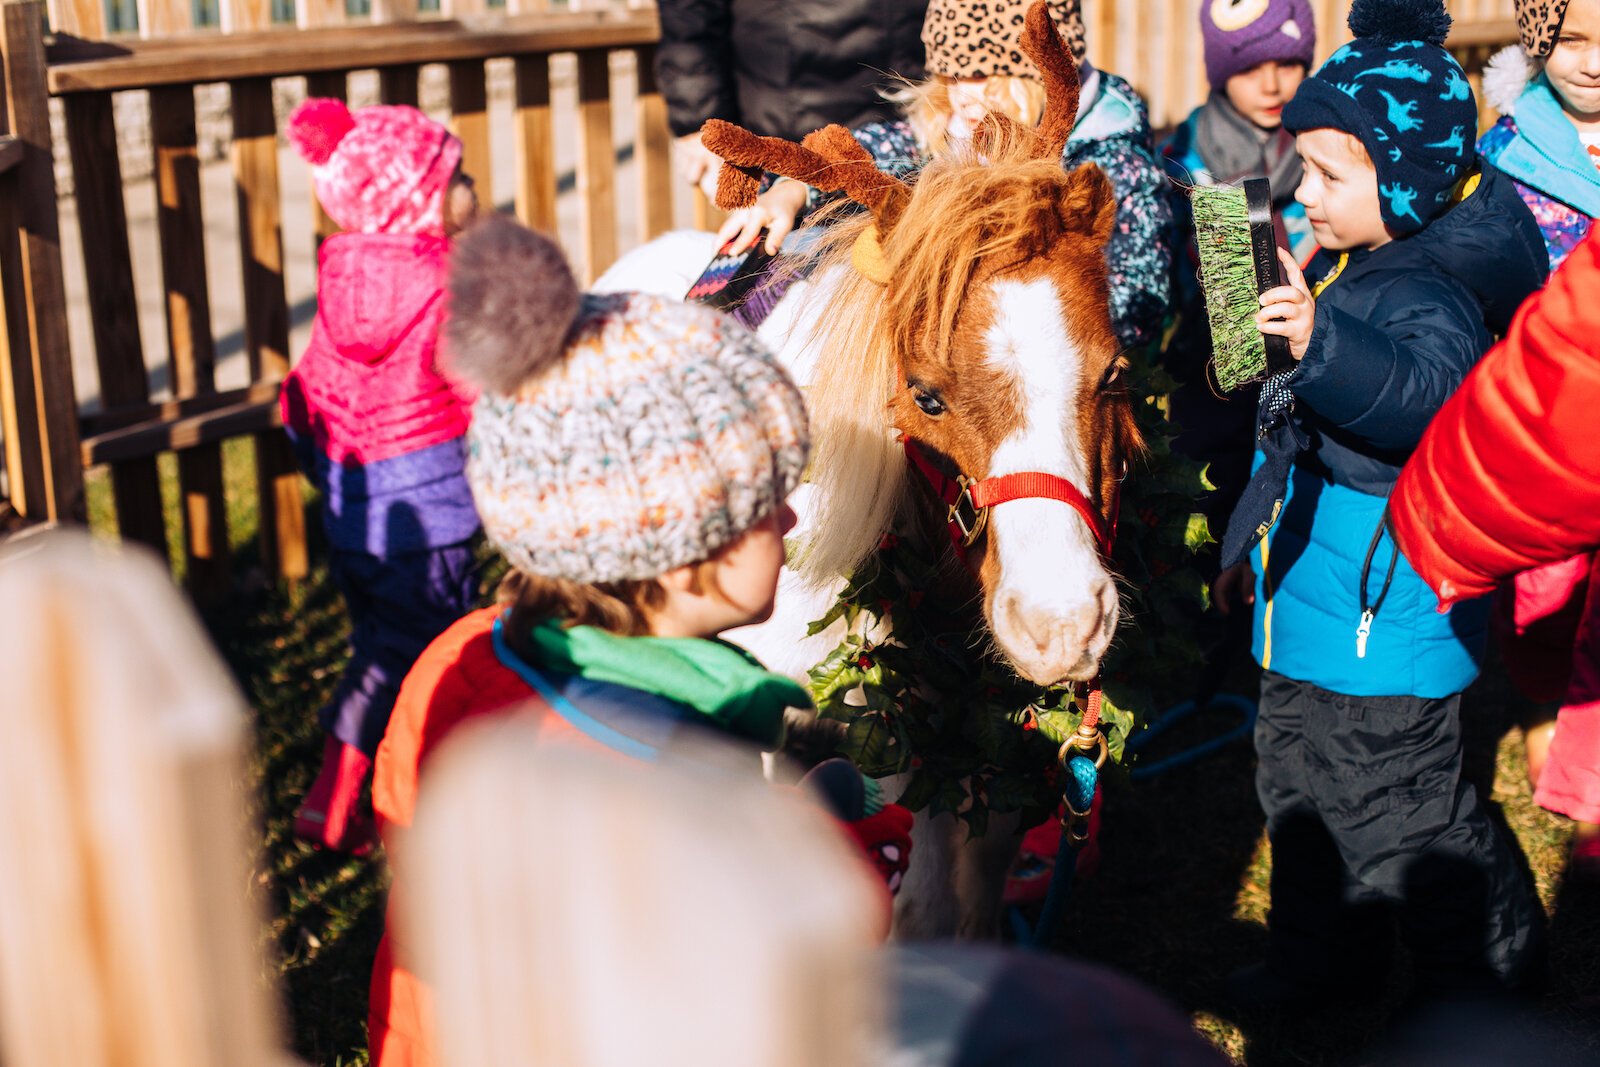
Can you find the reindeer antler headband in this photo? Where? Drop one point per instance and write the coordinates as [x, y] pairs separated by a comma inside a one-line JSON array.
[[832, 160]]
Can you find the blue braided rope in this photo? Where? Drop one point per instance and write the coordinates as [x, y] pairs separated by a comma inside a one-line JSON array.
[[1082, 780]]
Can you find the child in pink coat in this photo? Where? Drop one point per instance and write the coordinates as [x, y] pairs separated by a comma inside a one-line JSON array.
[[377, 425]]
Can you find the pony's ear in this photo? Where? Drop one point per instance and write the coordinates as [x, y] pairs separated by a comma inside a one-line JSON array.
[[1087, 204]]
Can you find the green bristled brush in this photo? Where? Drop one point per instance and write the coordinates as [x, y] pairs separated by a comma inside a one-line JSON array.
[[1238, 262]]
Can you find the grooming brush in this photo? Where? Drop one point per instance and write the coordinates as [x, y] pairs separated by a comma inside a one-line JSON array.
[[1238, 262], [730, 277]]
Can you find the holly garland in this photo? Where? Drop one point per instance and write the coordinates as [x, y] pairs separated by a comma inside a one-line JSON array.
[[934, 699]]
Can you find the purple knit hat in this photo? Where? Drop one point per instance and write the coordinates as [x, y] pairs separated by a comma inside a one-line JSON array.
[[1239, 34]]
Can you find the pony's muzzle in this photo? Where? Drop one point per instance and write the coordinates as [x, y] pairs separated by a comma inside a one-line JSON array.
[[1047, 643]]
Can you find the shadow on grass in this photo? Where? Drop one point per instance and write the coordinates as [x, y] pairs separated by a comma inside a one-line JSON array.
[[1181, 895], [286, 649]]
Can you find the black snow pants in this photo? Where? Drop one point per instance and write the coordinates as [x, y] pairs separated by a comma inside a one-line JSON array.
[[1368, 813]]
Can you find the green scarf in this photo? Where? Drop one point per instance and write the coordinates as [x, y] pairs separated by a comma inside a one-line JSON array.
[[721, 681]]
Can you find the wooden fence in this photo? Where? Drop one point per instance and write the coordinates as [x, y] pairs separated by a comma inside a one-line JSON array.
[[49, 443]]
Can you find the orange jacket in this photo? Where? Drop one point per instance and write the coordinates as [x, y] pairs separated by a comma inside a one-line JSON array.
[[459, 677]]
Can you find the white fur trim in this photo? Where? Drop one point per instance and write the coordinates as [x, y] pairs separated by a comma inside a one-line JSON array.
[[1506, 76]]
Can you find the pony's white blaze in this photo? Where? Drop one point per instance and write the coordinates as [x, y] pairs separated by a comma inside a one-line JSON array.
[[1054, 608]]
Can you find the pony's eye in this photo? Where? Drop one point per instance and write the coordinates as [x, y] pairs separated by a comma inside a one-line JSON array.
[[929, 404], [1112, 378]]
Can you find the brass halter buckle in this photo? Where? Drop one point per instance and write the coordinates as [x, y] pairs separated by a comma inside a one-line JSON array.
[[1090, 743], [965, 515]]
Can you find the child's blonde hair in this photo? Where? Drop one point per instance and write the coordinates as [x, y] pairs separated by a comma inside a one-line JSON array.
[[927, 107], [126, 932], [569, 911]]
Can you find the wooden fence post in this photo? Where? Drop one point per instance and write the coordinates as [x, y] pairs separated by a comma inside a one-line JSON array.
[[597, 163], [282, 530], [37, 397], [535, 144], [652, 150], [113, 308], [190, 344]]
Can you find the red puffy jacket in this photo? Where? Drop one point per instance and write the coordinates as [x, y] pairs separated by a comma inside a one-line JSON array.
[[1507, 476]]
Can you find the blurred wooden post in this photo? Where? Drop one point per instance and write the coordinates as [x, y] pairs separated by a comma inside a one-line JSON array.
[[469, 120], [242, 16], [652, 152], [81, 18], [190, 344], [398, 85], [38, 403], [535, 144], [266, 312], [596, 162], [310, 14], [113, 306], [165, 18]]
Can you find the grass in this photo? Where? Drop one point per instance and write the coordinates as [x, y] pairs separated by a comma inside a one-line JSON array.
[[1179, 900]]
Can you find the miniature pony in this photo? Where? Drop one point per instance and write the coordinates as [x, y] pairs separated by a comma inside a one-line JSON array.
[[965, 314]]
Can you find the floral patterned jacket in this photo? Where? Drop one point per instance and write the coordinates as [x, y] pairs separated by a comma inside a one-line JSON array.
[[1113, 132]]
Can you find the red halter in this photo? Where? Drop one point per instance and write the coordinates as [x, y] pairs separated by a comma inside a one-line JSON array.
[[969, 502]]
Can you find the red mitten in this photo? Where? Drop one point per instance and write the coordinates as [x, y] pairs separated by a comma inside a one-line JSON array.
[[886, 839], [883, 830]]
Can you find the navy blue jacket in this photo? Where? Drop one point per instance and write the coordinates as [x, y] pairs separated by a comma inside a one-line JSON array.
[[1400, 327], [1397, 329]]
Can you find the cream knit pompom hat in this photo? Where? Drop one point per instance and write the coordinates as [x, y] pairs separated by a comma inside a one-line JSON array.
[[616, 437]]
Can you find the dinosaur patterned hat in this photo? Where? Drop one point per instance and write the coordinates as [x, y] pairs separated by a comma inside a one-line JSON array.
[[1406, 98]]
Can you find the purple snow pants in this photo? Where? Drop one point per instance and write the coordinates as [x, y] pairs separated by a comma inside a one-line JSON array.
[[398, 604]]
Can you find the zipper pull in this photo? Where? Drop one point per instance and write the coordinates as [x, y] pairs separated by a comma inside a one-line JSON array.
[[1363, 631]]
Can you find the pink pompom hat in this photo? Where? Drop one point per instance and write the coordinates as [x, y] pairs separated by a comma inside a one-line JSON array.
[[381, 169]]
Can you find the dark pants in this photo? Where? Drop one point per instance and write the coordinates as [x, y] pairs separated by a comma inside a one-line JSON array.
[[1368, 813], [398, 604]]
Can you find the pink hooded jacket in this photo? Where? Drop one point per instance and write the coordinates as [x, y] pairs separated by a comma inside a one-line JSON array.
[[379, 428]]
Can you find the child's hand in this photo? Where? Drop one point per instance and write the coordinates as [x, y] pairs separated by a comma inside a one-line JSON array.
[[1289, 310], [775, 211], [1234, 589], [695, 161]]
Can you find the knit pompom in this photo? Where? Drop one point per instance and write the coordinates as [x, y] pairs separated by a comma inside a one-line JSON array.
[[512, 303], [1401, 20], [316, 128], [1506, 76]]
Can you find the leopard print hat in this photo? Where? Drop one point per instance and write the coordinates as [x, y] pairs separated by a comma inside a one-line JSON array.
[[982, 38], [1539, 23]]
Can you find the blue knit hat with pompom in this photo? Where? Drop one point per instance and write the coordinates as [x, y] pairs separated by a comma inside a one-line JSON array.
[[1406, 98]]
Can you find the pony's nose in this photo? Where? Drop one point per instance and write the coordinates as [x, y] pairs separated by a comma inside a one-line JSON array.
[[1051, 643]]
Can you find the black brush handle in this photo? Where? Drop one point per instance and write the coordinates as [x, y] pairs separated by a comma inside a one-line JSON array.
[[1264, 250]]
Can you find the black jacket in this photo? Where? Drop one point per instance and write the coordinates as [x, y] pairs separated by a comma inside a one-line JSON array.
[[785, 67]]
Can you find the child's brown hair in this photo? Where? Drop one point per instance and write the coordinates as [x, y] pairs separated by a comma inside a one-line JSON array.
[[623, 608]]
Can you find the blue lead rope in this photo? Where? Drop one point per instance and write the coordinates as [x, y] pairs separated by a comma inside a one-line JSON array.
[[1082, 780]]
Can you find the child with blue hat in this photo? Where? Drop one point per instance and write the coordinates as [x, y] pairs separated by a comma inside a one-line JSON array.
[[1426, 252]]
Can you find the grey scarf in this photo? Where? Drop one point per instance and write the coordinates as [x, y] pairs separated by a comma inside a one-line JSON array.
[[1234, 148]]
